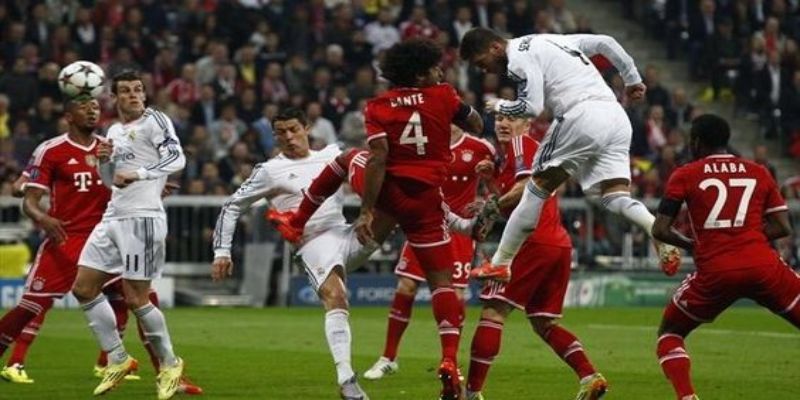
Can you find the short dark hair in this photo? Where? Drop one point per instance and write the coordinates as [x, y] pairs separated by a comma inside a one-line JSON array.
[[406, 61], [127, 75], [291, 113], [711, 131], [476, 41]]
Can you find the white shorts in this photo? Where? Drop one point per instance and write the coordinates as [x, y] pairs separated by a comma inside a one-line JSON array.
[[131, 247], [334, 247], [591, 142]]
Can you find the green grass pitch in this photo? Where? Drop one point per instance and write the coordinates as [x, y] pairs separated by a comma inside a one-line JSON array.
[[281, 354]]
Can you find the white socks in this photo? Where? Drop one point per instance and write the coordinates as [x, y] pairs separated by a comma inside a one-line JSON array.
[[521, 223], [337, 331], [621, 203], [103, 324], [155, 330]]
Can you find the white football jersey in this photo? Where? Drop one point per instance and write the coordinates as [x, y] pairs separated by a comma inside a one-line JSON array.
[[554, 72], [281, 181], [149, 146]]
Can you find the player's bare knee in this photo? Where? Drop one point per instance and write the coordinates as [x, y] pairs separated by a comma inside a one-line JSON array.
[[541, 325], [551, 178], [460, 294], [85, 291], [407, 286], [333, 298], [496, 311]]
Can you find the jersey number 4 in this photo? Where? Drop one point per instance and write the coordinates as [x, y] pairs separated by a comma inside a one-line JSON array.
[[713, 221], [412, 134]]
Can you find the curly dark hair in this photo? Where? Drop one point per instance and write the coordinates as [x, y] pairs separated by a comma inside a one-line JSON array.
[[711, 131], [405, 62]]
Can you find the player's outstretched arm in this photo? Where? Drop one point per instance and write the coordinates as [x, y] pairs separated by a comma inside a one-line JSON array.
[[31, 206], [778, 225], [257, 186]]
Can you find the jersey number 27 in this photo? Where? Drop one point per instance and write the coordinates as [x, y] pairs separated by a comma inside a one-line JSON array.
[[713, 221]]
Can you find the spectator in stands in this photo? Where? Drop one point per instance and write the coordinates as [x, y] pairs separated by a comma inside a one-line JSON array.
[[5, 118], [226, 130], [247, 108], [297, 74], [353, 133], [22, 85], [761, 156], [322, 131], [543, 22], [656, 129], [207, 66], [382, 33], [273, 88], [768, 93], [48, 81], [185, 90], [206, 109], [321, 87], [418, 25], [563, 20], [701, 27], [723, 55], [43, 123], [680, 109], [337, 106], [263, 128], [656, 93], [773, 38], [229, 165], [519, 18], [461, 24], [790, 112], [249, 70]]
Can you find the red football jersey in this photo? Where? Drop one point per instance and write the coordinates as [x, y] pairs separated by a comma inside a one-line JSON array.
[[461, 185], [727, 198], [519, 154], [69, 172], [416, 122]]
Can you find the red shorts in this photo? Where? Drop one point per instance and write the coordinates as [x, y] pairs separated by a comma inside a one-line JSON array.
[[55, 267], [539, 279], [418, 208], [463, 249], [702, 297]]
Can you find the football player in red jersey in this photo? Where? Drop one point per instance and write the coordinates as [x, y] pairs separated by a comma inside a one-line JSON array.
[[736, 209], [540, 272], [459, 190], [66, 167], [408, 131]]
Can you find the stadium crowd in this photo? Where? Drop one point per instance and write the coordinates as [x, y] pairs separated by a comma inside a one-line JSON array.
[[222, 68]]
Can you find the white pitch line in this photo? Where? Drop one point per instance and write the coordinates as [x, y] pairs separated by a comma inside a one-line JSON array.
[[778, 335]]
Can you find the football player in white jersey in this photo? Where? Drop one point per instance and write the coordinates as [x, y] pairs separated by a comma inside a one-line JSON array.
[[329, 246], [588, 140], [130, 238]]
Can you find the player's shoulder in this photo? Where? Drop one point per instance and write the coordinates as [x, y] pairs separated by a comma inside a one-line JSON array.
[[477, 143], [50, 146], [330, 151], [523, 144], [155, 116]]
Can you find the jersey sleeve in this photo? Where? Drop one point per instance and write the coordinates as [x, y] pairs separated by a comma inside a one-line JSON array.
[[524, 69], [609, 48], [162, 136], [523, 151], [257, 186], [373, 128], [676, 186], [40, 168], [774, 201]]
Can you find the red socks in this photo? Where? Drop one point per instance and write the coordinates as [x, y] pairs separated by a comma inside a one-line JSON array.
[[399, 316], [449, 314], [322, 187], [676, 363], [24, 340], [567, 346], [12, 324], [485, 346]]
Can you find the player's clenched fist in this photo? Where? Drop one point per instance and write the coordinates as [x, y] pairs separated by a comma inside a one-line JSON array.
[[221, 268], [636, 91], [363, 227], [485, 169], [105, 149]]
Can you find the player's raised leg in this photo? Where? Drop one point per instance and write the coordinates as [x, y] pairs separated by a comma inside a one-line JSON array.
[[14, 371]]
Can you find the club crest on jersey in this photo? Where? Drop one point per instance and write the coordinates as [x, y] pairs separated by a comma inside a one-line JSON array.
[[131, 134], [91, 160], [37, 284], [33, 172], [467, 156]]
